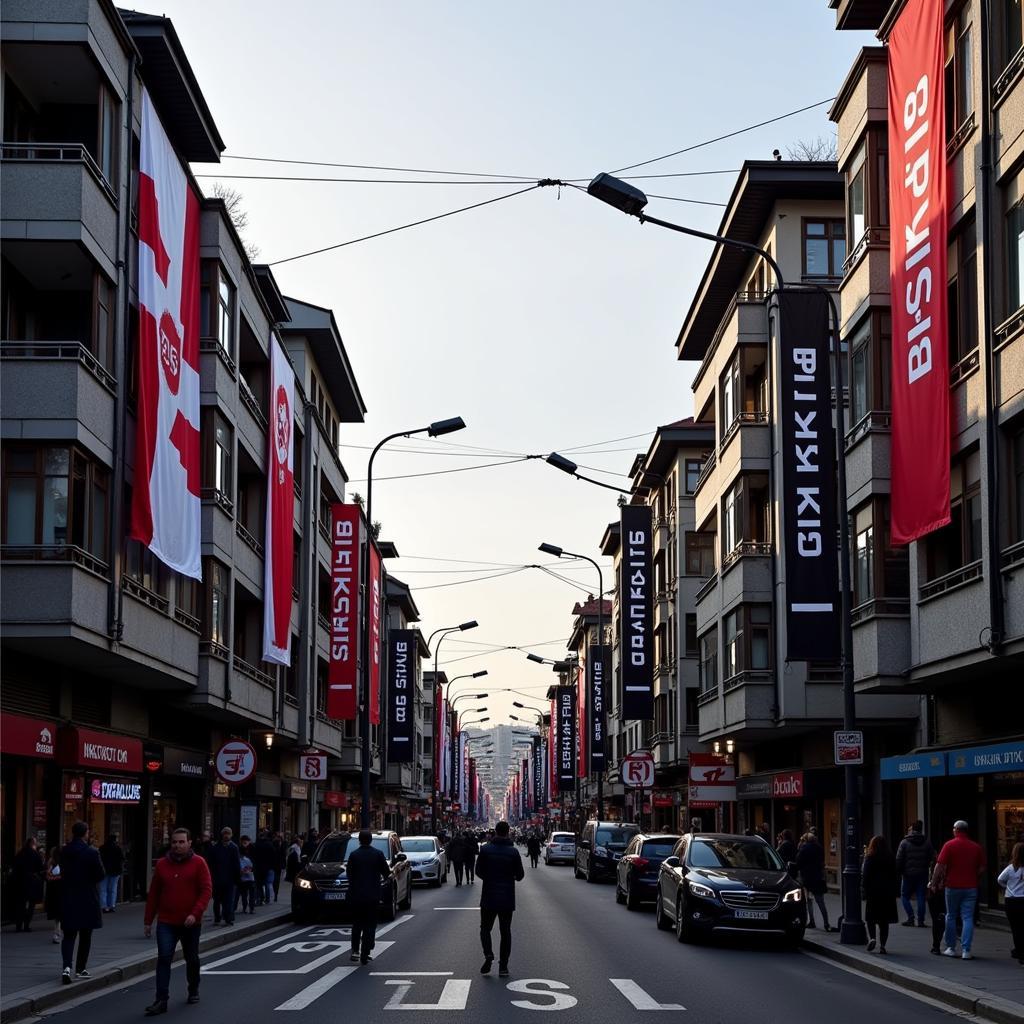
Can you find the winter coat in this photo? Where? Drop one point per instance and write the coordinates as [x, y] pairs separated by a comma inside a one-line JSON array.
[[280, 856], [914, 856], [263, 857], [294, 862], [472, 848], [879, 884], [80, 872], [457, 850], [500, 867], [810, 863], [366, 868], [26, 880], [112, 858], [180, 888], [533, 846], [786, 850], [225, 864]]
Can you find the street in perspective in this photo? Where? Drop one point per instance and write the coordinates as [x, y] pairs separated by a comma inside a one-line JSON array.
[[440, 589]]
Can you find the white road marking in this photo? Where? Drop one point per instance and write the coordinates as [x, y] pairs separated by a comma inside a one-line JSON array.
[[304, 997], [454, 996], [411, 974], [252, 949], [639, 998], [456, 908], [551, 990]]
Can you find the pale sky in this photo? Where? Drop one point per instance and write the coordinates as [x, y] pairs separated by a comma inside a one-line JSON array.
[[547, 322]]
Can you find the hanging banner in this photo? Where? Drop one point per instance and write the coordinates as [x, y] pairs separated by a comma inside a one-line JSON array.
[[343, 667], [401, 742], [552, 766], [166, 507], [583, 712], [809, 522], [636, 612], [280, 534], [565, 701], [917, 269], [597, 665], [537, 764], [376, 586], [453, 753]]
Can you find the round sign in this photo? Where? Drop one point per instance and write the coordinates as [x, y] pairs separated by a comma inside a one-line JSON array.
[[236, 762], [638, 770]]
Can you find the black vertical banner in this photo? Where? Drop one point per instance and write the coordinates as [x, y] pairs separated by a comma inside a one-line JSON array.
[[809, 524], [636, 612], [597, 716], [401, 743], [537, 767], [453, 756], [565, 754]]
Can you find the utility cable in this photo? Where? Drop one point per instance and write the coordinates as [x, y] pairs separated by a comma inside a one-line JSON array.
[[375, 167], [359, 181], [443, 472], [479, 579]]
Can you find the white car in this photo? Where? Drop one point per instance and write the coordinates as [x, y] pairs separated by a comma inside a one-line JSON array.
[[427, 857], [560, 848]]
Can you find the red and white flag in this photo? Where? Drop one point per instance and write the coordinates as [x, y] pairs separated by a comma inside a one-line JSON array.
[[277, 566], [165, 495]]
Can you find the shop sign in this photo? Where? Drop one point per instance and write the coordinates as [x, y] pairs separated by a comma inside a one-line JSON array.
[[39, 814], [297, 791], [74, 788], [663, 798], [335, 798], [91, 749], [221, 789], [313, 766], [999, 757], [115, 791], [236, 762], [248, 821], [913, 766], [27, 737], [712, 780], [189, 764], [754, 787], [787, 784], [152, 758], [849, 747]]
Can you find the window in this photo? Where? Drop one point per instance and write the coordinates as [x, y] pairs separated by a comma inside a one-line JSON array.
[[103, 320], [1015, 244], [959, 92], [1016, 453], [870, 373], [217, 623], [864, 556], [142, 566], [732, 626], [963, 293], [856, 197], [958, 544], [217, 307], [700, 553], [1011, 21], [732, 519], [53, 496], [824, 247], [187, 596], [748, 639], [693, 467], [218, 472], [760, 621], [709, 661], [731, 396], [106, 142], [690, 639], [881, 571]]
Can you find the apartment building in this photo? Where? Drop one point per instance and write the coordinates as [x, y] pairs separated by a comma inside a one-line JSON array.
[[113, 667], [942, 619]]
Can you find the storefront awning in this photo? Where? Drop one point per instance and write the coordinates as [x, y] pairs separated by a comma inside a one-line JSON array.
[[994, 757]]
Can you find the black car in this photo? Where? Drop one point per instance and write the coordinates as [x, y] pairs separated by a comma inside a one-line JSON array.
[[600, 848], [636, 877], [725, 883], [321, 885]]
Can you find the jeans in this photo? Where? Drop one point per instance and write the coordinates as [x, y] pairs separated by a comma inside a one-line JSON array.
[[960, 903], [460, 867], [819, 898], [913, 886], [504, 930], [67, 947], [267, 892], [364, 928], [470, 866], [108, 892], [167, 937], [223, 902]]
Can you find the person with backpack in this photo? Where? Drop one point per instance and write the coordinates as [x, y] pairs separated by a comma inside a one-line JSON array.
[[914, 856]]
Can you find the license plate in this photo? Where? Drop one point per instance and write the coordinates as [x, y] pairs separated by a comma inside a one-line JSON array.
[[751, 915], [334, 895]]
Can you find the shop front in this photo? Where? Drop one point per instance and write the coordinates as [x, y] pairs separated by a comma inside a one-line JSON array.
[[29, 784], [294, 806], [179, 782]]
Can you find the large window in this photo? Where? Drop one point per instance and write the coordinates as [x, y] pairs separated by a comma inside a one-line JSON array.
[[963, 293], [958, 544], [108, 124], [55, 496], [732, 519], [856, 194], [870, 374], [217, 623], [864, 556], [142, 566], [881, 572], [1011, 21], [218, 447], [217, 307], [959, 74], [745, 515], [1015, 244], [824, 251], [700, 553], [709, 661], [693, 467], [731, 394], [748, 639]]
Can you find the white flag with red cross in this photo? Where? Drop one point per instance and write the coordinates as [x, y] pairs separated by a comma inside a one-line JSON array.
[[165, 495]]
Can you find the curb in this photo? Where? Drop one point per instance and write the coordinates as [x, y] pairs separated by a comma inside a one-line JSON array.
[[34, 1001], [961, 998]]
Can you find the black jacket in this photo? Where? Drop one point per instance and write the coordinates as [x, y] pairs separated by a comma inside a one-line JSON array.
[[915, 855], [367, 867], [533, 845], [80, 872], [472, 848], [112, 856], [457, 850], [263, 856], [810, 863], [225, 864], [786, 850], [500, 866], [27, 875], [880, 886]]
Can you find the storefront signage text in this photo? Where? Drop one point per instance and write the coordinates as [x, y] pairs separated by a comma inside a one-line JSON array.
[[115, 791]]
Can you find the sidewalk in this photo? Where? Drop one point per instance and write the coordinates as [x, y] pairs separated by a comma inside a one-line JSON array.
[[30, 963], [991, 985]]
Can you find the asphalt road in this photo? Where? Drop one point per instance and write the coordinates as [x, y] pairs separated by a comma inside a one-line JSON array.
[[575, 952]]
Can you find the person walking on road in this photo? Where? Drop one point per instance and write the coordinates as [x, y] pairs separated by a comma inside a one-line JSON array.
[[880, 885], [457, 856], [225, 866], [810, 863], [26, 884], [367, 868], [914, 856], [500, 867], [963, 862], [533, 848], [1011, 878], [178, 897], [81, 871], [112, 858], [472, 852]]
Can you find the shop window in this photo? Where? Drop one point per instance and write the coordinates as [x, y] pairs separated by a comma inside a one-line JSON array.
[[963, 293], [958, 544], [824, 247], [700, 553], [959, 72]]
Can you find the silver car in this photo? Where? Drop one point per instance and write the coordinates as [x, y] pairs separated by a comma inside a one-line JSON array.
[[560, 848], [427, 857]]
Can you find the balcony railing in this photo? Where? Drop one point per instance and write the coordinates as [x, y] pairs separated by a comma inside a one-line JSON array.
[[218, 498], [1013, 555], [190, 622], [57, 153], [889, 606], [144, 594], [950, 581], [964, 368], [708, 695], [63, 351], [211, 346], [249, 401], [747, 549], [746, 417], [55, 553], [249, 539], [247, 669], [213, 649], [323, 622], [754, 297], [706, 588], [705, 471], [873, 422], [750, 675]]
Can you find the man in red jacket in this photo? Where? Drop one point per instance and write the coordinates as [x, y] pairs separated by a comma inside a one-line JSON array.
[[178, 896]]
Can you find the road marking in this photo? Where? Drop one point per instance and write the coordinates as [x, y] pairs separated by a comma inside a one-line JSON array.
[[454, 996], [304, 997], [411, 974], [639, 998], [456, 908], [252, 949], [551, 990]]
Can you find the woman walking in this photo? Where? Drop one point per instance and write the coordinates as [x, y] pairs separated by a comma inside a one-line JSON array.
[[26, 884], [880, 886], [51, 901], [810, 862], [1011, 878]]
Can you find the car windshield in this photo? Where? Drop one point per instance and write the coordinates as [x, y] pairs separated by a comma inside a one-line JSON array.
[[614, 836], [562, 837], [381, 843], [658, 847], [332, 851], [733, 853], [418, 845]]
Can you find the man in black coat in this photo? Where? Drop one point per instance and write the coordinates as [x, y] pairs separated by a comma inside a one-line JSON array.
[[366, 868], [225, 866], [80, 874], [500, 867]]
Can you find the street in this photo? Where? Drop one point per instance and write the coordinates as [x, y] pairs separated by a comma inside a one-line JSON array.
[[574, 950]]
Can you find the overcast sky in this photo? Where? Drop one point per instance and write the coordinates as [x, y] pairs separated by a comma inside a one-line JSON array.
[[546, 321]]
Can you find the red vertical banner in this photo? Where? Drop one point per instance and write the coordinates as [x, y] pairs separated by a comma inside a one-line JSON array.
[[376, 599], [917, 268], [342, 669]]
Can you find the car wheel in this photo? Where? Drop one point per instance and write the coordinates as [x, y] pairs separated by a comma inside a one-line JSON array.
[[590, 875], [407, 902], [684, 931], [390, 909], [576, 873], [619, 898], [663, 923], [631, 901]]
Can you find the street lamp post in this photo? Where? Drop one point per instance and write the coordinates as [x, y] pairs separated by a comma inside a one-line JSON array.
[[435, 429], [630, 200]]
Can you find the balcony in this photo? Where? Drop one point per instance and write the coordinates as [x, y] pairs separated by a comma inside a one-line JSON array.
[[745, 418], [747, 573], [252, 672], [705, 471]]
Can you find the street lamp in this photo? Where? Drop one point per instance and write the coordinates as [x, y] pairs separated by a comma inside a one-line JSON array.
[[469, 711], [570, 467], [475, 721], [630, 200], [435, 429], [464, 696]]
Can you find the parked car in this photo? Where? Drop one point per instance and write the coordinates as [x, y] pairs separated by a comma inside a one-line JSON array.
[[600, 848], [427, 857], [636, 876], [321, 885], [560, 848], [714, 882]]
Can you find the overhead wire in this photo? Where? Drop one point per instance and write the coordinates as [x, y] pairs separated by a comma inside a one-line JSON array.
[[359, 181], [376, 167], [443, 472]]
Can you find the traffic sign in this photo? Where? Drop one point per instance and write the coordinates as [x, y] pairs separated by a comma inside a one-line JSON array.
[[849, 747], [236, 762], [638, 769], [313, 766]]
